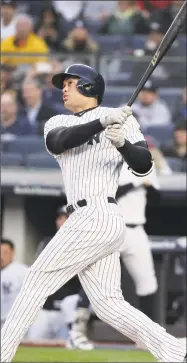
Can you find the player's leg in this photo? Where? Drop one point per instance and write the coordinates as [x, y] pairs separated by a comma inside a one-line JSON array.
[[83, 239], [101, 282], [78, 328], [137, 257], [57, 263]]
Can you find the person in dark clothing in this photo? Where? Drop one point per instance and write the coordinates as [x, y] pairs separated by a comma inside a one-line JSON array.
[[181, 107], [36, 110], [164, 74], [165, 15], [79, 40], [152, 5], [52, 28], [11, 122], [6, 78], [127, 19], [177, 149]]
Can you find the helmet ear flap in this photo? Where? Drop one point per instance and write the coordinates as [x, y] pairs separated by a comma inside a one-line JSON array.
[[86, 88]]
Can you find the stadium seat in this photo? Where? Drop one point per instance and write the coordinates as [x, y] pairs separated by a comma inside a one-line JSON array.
[[27, 144], [161, 133], [115, 96], [108, 43], [41, 160], [11, 159], [138, 41], [180, 44]]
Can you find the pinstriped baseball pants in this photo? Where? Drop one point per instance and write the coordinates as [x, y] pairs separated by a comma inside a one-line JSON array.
[[87, 245]]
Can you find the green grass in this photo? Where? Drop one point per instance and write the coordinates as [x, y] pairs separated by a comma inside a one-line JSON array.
[[25, 354]]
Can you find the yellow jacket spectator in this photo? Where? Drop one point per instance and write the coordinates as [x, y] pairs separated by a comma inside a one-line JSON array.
[[24, 41]]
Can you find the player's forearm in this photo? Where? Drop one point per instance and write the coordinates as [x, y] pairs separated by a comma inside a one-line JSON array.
[[137, 156], [61, 139]]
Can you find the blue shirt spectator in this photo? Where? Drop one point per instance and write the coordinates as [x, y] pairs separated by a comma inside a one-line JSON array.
[[11, 122], [35, 109], [150, 109], [181, 107], [177, 148]]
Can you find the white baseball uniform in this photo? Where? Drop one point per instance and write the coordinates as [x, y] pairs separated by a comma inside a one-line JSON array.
[[136, 250], [88, 244], [57, 312], [49, 324], [11, 281]]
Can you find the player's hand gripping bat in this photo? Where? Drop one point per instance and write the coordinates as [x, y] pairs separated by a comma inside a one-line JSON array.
[[165, 44]]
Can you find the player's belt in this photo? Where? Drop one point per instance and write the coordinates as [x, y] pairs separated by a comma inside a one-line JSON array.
[[132, 225], [83, 203]]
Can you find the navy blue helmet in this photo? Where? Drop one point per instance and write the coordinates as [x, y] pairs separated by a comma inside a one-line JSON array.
[[90, 83]]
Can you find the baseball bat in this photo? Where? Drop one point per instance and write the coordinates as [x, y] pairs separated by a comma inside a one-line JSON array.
[[165, 44]]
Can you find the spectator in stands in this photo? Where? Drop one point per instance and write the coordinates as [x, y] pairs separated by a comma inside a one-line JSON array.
[[33, 8], [35, 109], [24, 41], [96, 12], [12, 274], [6, 82], [166, 15], [11, 122], [150, 6], [44, 71], [79, 39], [127, 19], [164, 73], [8, 18], [155, 36], [150, 109], [181, 107], [52, 28], [177, 149]]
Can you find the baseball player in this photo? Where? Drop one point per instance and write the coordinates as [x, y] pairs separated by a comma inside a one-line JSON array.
[[67, 305], [135, 250], [12, 274], [90, 147]]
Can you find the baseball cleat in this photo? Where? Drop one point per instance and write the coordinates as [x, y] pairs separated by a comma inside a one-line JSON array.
[[78, 340]]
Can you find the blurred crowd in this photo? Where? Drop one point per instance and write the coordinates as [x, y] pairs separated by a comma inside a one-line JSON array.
[[34, 33]]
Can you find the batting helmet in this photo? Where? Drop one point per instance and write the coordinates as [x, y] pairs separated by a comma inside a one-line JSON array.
[[90, 83]]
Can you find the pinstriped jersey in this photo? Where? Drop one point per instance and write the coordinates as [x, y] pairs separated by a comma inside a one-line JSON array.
[[93, 168]]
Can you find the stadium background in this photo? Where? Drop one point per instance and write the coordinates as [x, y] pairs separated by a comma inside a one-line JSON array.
[[31, 189]]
